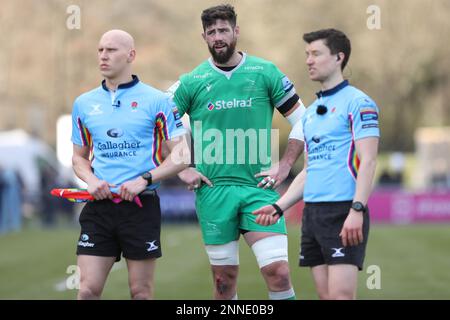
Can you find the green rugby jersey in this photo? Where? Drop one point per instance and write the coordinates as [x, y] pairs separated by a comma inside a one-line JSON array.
[[231, 117]]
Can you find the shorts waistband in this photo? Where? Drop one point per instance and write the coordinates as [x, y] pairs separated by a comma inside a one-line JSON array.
[[331, 203]]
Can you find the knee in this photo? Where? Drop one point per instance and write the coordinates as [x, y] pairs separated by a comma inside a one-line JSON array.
[[141, 292], [341, 295], [88, 293], [277, 274], [323, 295], [225, 281]]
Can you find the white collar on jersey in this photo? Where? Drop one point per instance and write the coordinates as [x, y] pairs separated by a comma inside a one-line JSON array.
[[228, 74]]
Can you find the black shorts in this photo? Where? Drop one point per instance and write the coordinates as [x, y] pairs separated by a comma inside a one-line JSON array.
[[109, 229], [320, 242]]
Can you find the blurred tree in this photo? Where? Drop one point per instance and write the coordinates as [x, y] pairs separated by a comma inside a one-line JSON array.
[[404, 66]]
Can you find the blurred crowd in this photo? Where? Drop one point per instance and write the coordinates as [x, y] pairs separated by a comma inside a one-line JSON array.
[[27, 174], [11, 187]]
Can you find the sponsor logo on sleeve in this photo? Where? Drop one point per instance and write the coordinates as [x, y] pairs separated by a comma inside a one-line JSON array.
[[370, 125], [287, 84], [176, 114], [368, 114]]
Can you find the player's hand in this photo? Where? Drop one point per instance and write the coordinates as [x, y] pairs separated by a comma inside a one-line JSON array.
[[351, 233], [130, 189], [99, 189], [274, 176], [193, 178], [266, 215]]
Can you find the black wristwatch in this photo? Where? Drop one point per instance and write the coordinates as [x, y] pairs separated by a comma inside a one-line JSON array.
[[358, 206], [147, 177]]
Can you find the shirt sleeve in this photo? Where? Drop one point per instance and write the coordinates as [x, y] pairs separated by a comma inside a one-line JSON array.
[[281, 90], [364, 115], [168, 120], [80, 133], [297, 128], [181, 96]]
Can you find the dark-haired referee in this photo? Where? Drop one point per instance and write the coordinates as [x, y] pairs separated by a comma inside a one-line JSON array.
[[341, 142]]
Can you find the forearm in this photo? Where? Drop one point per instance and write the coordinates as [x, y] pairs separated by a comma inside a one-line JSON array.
[[364, 181], [293, 151], [294, 193], [167, 169], [82, 168]]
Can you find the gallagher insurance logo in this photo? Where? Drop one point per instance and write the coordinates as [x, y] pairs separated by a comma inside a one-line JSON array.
[[115, 133]]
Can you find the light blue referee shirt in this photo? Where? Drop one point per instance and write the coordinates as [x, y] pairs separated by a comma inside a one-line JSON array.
[[124, 129], [330, 141]]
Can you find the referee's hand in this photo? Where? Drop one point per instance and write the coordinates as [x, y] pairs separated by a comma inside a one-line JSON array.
[[130, 189], [351, 233], [265, 215], [99, 189]]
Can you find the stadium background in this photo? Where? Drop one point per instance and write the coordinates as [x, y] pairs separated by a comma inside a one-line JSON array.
[[404, 65]]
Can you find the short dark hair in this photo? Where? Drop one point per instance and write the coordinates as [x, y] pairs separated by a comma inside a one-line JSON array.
[[223, 12], [334, 39]]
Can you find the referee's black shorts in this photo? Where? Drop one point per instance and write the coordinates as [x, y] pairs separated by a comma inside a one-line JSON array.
[[110, 229], [320, 241]]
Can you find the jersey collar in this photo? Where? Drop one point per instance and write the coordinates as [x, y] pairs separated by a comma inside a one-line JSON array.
[[332, 91], [123, 85], [227, 73]]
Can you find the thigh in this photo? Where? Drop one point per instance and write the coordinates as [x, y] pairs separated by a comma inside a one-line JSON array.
[[253, 198], [217, 211], [320, 277], [139, 229], [141, 272], [270, 250], [342, 281], [94, 270]]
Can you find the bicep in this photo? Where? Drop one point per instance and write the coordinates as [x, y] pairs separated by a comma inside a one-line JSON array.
[[291, 110], [181, 139], [294, 115], [367, 147]]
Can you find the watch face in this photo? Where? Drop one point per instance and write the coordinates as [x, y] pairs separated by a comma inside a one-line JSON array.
[[358, 206], [146, 175]]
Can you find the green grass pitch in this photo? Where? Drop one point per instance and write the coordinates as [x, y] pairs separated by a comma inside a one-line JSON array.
[[414, 263]]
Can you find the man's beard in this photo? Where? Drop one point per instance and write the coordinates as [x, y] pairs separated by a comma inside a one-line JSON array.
[[224, 56]]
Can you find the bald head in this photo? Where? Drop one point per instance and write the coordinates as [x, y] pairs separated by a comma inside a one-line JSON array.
[[118, 37], [116, 53]]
